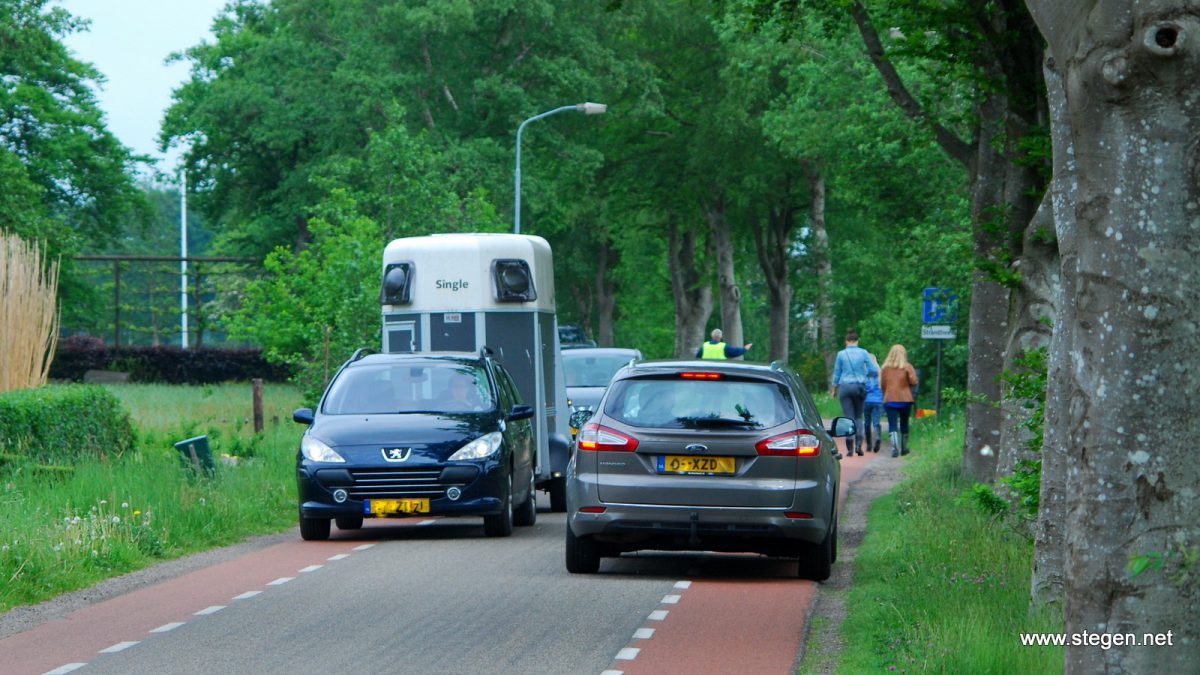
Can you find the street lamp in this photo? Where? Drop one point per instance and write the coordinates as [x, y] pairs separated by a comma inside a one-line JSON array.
[[585, 108]]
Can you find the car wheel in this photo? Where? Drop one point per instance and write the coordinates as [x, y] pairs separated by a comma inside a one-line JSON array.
[[526, 514], [314, 529], [349, 523], [583, 554], [816, 560], [558, 495], [501, 524]]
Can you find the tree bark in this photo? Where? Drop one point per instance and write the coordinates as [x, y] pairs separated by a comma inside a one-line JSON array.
[[773, 245], [1130, 71], [827, 340], [1046, 582], [730, 294], [691, 290]]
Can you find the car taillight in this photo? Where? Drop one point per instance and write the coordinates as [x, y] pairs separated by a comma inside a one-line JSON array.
[[596, 438], [700, 376], [801, 443]]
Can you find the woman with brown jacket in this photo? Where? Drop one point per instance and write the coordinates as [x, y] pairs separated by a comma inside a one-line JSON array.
[[897, 378]]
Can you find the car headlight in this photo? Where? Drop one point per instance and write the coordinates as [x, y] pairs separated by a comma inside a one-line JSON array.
[[481, 447], [317, 451]]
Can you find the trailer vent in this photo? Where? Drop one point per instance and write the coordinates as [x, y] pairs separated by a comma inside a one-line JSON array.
[[397, 284], [514, 283]]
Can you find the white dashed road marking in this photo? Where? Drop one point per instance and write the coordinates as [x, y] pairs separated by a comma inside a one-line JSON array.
[[658, 615], [339, 556], [684, 585], [280, 581], [119, 647], [210, 610], [247, 594], [670, 599], [363, 547], [311, 568], [167, 627], [628, 654], [631, 653], [643, 633], [63, 670]]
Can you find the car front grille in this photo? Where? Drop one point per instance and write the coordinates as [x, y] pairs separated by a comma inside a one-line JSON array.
[[395, 483]]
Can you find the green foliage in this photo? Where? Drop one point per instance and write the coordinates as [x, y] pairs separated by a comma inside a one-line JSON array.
[[1179, 563], [64, 423], [987, 500], [66, 530], [313, 308]]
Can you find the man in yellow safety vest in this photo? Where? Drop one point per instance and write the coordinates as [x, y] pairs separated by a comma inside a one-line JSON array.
[[717, 349]]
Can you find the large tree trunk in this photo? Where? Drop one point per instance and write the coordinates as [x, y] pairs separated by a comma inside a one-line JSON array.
[[774, 246], [827, 340], [730, 294], [1046, 583], [691, 290], [1133, 374]]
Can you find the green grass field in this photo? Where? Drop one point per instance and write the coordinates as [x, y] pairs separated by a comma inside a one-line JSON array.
[[66, 530], [940, 586]]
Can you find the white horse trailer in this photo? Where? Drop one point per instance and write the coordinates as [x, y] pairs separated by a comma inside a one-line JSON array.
[[464, 292]]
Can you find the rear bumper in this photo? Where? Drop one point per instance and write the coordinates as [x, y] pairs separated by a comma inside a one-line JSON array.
[[632, 527]]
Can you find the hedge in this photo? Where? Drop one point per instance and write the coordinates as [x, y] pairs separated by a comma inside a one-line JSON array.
[[164, 365], [61, 423]]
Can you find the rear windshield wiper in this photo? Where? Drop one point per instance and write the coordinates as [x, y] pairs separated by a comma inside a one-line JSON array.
[[698, 422]]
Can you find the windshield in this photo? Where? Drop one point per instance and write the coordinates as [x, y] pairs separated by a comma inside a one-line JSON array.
[[591, 370], [409, 388], [699, 404]]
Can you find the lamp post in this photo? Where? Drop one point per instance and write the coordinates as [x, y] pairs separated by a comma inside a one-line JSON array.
[[585, 108]]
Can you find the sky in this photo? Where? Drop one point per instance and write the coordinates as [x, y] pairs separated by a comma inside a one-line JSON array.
[[128, 42]]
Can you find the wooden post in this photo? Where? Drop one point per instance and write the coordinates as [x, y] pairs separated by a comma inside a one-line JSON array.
[[258, 408]]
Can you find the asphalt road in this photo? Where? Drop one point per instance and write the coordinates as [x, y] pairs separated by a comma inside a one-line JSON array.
[[436, 596]]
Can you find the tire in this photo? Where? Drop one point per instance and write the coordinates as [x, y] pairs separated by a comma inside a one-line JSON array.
[[558, 495], [501, 524], [583, 554], [526, 513], [816, 560], [349, 522], [314, 529]]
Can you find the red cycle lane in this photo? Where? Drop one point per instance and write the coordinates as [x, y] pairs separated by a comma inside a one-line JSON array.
[[81, 635], [733, 625]]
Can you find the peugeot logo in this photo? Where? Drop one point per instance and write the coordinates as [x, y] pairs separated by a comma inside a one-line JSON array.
[[696, 447], [396, 454]]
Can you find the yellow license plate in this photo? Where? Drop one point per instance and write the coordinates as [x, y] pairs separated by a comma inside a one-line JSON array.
[[696, 465], [386, 507]]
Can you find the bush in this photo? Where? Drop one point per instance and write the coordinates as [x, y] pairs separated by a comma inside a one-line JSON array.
[[164, 365], [64, 423]]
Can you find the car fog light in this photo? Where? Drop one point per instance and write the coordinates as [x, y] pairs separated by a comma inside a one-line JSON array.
[[453, 493], [339, 495]]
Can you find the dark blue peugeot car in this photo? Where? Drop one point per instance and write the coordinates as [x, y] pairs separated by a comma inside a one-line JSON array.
[[399, 435]]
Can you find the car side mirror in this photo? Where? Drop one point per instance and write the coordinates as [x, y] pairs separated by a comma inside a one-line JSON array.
[[519, 412], [842, 426], [303, 416], [580, 417]]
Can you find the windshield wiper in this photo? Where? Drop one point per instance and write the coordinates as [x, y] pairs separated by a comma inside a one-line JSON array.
[[698, 422]]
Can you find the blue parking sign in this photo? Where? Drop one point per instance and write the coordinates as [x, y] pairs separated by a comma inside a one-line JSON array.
[[940, 306]]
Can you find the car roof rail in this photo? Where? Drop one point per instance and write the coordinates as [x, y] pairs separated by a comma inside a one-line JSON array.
[[778, 364], [361, 352], [486, 351]]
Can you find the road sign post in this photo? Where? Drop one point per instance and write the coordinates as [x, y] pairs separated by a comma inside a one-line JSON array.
[[939, 309]]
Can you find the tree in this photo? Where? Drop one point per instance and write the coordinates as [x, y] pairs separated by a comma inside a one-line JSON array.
[[1133, 526], [67, 181]]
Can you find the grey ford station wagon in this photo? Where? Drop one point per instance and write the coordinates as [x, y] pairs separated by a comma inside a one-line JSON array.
[[705, 456]]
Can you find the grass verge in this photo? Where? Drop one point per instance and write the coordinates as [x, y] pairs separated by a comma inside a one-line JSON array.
[[66, 530], [939, 586]]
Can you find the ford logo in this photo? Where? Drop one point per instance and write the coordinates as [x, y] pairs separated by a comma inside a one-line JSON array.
[[696, 447], [396, 454]]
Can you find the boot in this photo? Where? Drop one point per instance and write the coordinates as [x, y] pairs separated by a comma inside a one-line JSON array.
[[875, 449], [858, 445], [904, 444], [868, 447], [895, 443]]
